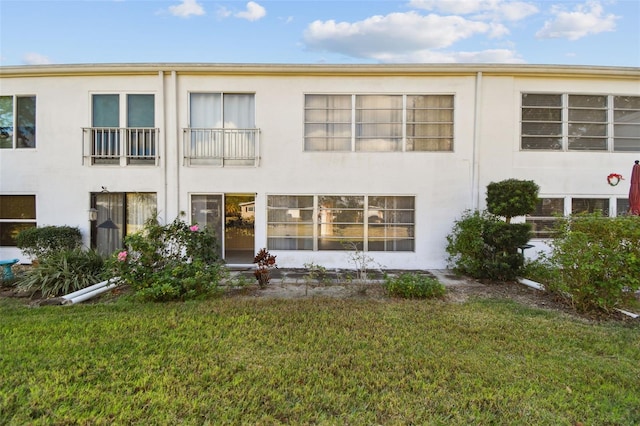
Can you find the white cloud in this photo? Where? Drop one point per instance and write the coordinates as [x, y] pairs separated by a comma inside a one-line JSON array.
[[35, 59], [395, 34], [253, 13], [495, 10], [187, 8], [584, 20], [222, 12]]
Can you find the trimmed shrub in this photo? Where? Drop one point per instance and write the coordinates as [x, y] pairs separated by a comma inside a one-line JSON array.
[[597, 260], [465, 245], [482, 246], [38, 243], [414, 286], [171, 262], [512, 197], [63, 271]]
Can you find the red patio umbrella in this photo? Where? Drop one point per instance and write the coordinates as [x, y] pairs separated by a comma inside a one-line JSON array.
[[634, 191]]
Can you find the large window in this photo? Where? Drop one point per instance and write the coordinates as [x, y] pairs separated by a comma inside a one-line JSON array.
[[17, 121], [626, 127], [378, 123], [590, 205], [550, 209], [17, 213], [580, 122], [341, 222], [222, 129], [122, 139]]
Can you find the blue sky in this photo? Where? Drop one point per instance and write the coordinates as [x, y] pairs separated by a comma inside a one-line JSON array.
[[588, 32]]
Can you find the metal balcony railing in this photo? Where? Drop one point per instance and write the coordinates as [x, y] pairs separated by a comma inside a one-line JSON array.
[[221, 147], [120, 145]]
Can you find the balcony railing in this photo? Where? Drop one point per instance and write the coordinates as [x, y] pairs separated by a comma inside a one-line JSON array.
[[221, 147], [120, 145]]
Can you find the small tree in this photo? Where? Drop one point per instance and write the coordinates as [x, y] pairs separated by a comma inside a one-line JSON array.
[[512, 197]]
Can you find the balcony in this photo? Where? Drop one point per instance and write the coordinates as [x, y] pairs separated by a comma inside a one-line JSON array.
[[120, 146], [221, 147]]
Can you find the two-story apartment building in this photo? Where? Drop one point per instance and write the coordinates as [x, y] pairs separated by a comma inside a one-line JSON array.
[[308, 160]]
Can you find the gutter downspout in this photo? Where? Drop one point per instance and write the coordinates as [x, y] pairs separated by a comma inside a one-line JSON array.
[[178, 135], [475, 173], [163, 121]]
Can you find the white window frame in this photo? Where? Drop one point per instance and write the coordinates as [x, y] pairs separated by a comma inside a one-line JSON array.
[[355, 136], [14, 121], [317, 222], [565, 122], [32, 222]]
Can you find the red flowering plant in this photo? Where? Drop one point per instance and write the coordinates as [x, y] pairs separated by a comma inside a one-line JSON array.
[[265, 262]]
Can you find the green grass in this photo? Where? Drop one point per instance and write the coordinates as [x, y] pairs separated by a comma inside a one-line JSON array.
[[314, 361]]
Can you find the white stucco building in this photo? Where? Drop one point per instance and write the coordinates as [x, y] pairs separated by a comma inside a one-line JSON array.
[[383, 156]]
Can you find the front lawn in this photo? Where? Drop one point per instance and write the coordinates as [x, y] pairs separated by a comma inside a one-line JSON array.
[[314, 361]]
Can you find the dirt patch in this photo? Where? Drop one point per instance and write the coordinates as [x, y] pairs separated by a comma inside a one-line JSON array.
[[296, 284]]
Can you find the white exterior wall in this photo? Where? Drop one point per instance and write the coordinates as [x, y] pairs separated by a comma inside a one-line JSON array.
[[443, 183]]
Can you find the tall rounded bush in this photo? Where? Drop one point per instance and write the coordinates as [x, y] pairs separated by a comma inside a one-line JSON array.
[[512, 197], [483, 246]]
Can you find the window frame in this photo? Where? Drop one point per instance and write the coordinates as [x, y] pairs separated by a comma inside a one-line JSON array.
[[361, 115], [611, 209], [319, 220], [122, 144], [569, 120], [7, 223], [15, 122]]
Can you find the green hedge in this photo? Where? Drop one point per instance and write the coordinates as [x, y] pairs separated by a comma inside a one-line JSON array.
[[597, 261], [41, 242]]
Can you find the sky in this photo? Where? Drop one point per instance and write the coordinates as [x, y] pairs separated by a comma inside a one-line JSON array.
[[559, 32]]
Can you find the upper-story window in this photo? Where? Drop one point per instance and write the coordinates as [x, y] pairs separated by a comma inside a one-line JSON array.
[[120, 133], [379, 123], [567, 122], [17, 122], [222, 130]]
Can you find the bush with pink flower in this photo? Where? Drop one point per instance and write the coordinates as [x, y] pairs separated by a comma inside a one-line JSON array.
[[176, 261]]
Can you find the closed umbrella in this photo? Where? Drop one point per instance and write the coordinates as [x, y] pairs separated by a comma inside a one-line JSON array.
[[634, 191]]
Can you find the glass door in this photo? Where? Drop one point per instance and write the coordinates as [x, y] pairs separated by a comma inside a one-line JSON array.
[[239, 235]]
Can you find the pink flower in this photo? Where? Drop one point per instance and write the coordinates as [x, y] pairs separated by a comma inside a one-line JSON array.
[[122, 256], [193, 228]]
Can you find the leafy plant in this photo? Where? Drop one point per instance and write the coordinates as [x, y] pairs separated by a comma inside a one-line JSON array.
[[63, 272], [512, 197], [170, 262], [597, 261], [40, 242], [482, 246], [265, 263], [414, 286]]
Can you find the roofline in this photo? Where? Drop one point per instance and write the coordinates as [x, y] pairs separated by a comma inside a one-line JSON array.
[[319, 69]]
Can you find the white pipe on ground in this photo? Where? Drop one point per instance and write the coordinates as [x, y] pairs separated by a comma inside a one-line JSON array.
[[531, 284], [89, 292]]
